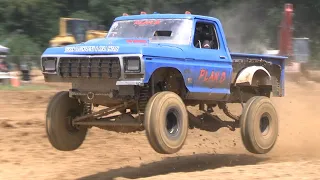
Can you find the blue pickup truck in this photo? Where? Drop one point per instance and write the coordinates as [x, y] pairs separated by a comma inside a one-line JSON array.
[[145, 73]]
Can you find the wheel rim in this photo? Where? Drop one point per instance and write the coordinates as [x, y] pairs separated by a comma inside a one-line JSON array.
[[173, 123], [265, 124], [71, 114]]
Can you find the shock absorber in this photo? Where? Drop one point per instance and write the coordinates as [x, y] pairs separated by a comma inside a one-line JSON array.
[[144, 95], [87, 108]]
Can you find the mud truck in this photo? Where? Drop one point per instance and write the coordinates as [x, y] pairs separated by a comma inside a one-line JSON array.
[[147, 70]]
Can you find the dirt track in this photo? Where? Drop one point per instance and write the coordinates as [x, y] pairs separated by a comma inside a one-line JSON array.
[[25, 152]]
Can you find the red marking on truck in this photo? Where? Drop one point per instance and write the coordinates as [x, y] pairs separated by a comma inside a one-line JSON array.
[[219, 77], [136, 41], [202, 73], [146, 22], [223, 77]]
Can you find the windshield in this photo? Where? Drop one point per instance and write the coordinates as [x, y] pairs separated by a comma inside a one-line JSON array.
[[173, 31]]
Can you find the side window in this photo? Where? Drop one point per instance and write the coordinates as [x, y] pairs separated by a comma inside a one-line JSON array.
[[205, 36]]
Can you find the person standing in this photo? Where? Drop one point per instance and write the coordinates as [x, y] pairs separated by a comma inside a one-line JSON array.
[[25, 70], [3, 65]]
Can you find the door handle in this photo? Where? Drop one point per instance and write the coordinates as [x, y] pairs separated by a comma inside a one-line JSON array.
[[222, 57]]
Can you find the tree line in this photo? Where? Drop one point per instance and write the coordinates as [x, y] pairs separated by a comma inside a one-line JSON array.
[[26, 26]]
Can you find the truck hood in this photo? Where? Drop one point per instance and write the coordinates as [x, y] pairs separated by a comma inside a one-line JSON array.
[[110, 46]]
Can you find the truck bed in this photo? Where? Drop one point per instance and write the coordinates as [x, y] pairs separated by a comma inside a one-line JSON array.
[[255, 56], [274, 64]]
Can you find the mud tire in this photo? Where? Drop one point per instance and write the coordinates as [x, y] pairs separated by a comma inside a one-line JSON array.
[[166, 122], [61, 134], [259, 125]]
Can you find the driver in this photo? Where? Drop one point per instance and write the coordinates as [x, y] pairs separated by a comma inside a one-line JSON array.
[[202, 37], [206, 38], [206, 44]]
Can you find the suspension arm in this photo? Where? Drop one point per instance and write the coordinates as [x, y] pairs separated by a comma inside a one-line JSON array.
[[104, 112], [223, 106]]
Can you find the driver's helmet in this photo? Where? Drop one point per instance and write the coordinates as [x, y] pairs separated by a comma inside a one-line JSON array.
[[205, 33]]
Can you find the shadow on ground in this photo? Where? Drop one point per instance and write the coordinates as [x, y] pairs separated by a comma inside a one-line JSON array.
[[199, 162], [209, 123]]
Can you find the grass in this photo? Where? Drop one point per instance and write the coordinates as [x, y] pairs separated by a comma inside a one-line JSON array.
[[28, 87]]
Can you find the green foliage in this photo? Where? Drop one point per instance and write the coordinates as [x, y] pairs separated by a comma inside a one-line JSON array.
[[2, 33], [83, 15], [23, 45], [37, 18]]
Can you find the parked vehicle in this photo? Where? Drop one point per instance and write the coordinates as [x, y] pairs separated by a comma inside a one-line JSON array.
[[75, 30]]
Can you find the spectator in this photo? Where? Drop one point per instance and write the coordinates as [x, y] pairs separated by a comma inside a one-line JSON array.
[[25, 69], [3, 65]]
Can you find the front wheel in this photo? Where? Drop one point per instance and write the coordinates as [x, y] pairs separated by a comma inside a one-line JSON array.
[[259, 125], [166, 122], [61, 133]]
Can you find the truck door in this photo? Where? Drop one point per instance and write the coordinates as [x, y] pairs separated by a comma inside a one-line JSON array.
[[209, 60]]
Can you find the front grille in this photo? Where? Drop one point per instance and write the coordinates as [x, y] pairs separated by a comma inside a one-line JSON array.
[[93, 67]]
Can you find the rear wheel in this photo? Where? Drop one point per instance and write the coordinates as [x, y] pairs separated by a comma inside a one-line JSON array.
[[61, 133], [259, 125], [166, 122]]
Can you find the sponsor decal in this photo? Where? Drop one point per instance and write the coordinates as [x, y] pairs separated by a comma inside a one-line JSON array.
[[147, 22], [136, 41], [216, 77], [91, 49]]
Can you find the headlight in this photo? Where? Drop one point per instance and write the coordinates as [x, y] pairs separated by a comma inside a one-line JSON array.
[[49, 64], [132, 64]]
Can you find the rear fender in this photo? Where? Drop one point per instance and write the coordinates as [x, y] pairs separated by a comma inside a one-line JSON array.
[[246, 76]]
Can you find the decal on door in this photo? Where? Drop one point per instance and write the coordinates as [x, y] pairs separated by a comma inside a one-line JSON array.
[[212, 79]]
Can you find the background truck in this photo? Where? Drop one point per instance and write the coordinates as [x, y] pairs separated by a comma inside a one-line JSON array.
[[295, 48], [147, 70], [75, 30]]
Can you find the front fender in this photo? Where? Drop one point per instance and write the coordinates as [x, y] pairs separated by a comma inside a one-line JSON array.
[[247, 74]]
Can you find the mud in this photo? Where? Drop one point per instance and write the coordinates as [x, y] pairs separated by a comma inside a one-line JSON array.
[[25, 152]]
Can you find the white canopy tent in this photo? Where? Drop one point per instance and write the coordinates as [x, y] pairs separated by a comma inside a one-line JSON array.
[[3, 51]]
